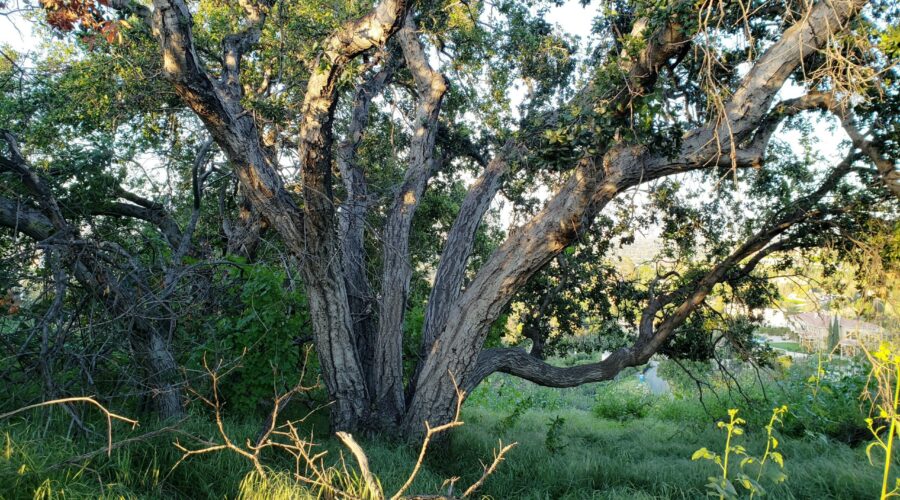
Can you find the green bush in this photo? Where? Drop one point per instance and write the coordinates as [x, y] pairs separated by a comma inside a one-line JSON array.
[[623, 401], [564, 452], [256, 337], [680, 383], [554, 441], [825, 401], [578, 358], [515, 415]]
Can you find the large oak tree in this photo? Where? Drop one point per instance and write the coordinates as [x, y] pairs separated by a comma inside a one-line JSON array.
[[673, 87]]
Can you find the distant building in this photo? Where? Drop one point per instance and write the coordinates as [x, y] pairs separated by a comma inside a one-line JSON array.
[[812, 328], [860, 329], [849, 347]]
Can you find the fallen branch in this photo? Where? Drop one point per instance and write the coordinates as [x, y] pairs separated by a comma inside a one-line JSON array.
[[110, 416], [311, 469]]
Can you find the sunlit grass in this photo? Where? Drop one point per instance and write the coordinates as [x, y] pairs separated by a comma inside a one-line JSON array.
[[617, 457], [788, 346]]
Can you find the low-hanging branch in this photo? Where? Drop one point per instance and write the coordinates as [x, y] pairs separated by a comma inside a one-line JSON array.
[[779, 234]]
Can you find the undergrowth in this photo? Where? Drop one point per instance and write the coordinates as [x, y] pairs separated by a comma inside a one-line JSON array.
[[639, 449]]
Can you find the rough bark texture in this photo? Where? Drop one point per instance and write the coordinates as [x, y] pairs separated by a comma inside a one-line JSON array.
[[594, 182], [451, 269], [322, 273], [353, 215], [430, 89], [311, 233], [242, 235]]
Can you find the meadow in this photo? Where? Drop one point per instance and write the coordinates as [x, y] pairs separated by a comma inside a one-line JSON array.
[[606, 440]]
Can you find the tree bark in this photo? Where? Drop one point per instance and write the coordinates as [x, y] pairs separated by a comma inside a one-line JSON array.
[[243, 234], [311, 233], [451, 269], [353, 220], [322, 273], [389, 403]]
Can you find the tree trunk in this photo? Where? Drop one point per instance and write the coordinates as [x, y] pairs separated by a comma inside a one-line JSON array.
[[451, 269], [389, 400], [311, 234], [243, 235], [153, 349], [455, 351], [353, 221]]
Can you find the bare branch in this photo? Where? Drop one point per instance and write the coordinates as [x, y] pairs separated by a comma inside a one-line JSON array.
[[110, 416]]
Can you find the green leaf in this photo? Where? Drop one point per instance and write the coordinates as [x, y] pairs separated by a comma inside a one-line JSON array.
[[775, 475]]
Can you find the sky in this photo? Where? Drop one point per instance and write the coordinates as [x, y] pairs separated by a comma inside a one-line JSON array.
[[16, 32], [571, 17]]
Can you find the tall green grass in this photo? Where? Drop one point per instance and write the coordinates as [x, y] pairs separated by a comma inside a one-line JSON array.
[[645, 453], [637, 446]]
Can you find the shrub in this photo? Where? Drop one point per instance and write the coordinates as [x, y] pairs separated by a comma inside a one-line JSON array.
[[521, 406], [554, 441], [623, 401], [824, 398], [578, 358], [680, 383], [258, 333]]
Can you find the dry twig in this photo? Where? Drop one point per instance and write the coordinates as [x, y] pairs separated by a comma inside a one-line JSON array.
[[110, 416], [310, 468]]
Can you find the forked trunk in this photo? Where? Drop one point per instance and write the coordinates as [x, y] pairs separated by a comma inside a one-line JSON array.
[[388, 397]]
